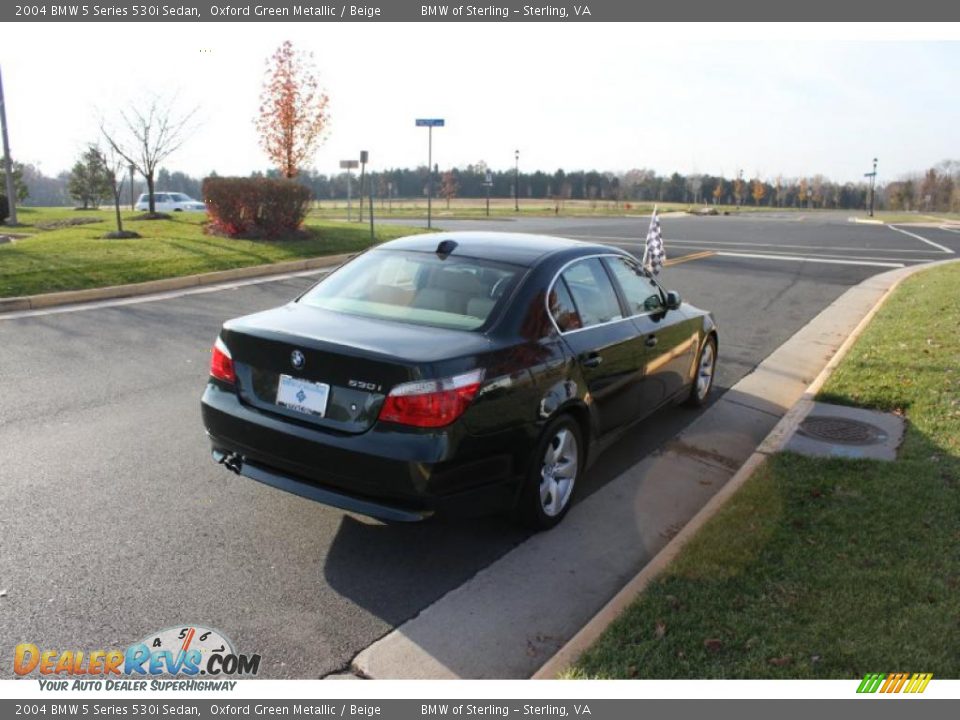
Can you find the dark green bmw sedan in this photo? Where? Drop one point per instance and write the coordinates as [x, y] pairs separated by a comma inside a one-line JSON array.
[[454, 373]]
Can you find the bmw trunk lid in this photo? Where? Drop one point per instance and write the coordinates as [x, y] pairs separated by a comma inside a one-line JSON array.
[[334, 370]]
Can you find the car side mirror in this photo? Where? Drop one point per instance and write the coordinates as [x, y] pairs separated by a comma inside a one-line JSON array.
[[673, 300]]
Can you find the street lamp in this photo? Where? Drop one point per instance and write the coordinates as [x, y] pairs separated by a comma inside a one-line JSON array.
[[516, 181], [873, 181]]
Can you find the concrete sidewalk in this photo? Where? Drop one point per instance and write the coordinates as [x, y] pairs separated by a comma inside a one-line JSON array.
[[513, 616]]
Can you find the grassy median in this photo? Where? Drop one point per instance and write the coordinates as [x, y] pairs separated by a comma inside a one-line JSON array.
[[52, 254], [823, 568]]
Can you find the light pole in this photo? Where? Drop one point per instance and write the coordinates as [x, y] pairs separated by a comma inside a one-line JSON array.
[[488, 183], [132, 168], [873, 181], [430, 124], [516, 181]]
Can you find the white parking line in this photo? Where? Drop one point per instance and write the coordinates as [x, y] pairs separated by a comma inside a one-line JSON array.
[[918, 237], [950, 229], [800, 258], [819, 255], [771, 246], [169, 295]]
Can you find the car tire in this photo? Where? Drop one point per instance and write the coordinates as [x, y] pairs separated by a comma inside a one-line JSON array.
[[703, 374], [555, 468]]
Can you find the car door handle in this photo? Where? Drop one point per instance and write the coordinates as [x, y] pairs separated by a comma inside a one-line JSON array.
[[651, 341], [591, 360]]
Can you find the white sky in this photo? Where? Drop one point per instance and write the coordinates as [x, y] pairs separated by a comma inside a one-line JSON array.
[[711, 98]]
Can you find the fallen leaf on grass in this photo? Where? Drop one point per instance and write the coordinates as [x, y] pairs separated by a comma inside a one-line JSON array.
[[781, 661], [713, 644], [659, 630]]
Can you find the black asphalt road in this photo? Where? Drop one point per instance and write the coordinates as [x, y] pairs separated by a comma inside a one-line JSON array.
[[115, 523]]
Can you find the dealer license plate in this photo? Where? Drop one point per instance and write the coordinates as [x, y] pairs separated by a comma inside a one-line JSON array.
[[302, 395]]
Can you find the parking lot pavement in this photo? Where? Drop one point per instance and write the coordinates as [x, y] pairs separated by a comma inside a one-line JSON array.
[[115, 522]]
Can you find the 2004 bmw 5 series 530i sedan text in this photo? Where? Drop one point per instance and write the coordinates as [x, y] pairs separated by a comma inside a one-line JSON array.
[[456, 372]]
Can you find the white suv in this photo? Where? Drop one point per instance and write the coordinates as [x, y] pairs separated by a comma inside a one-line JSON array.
[[170, 202]]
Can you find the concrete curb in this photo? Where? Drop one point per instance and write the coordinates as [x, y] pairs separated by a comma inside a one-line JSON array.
[[69, 297], [774, 442]]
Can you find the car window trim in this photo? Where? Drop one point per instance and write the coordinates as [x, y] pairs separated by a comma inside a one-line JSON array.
[[616, 288], [622, 293]]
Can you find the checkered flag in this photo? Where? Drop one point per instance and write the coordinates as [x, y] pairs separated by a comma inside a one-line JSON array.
[[654, 254]]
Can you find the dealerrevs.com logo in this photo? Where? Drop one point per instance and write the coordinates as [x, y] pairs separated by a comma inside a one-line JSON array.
[[189, 651]]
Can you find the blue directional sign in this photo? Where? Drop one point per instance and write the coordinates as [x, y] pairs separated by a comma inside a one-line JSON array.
[[429, 122]]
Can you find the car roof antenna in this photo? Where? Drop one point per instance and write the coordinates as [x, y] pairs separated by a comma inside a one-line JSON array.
[[445, 248]]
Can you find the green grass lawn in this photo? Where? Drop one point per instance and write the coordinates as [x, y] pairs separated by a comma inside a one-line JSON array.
[[823, 568], [55, 258]]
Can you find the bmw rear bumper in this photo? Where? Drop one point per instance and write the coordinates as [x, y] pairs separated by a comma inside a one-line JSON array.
[[389, 472]]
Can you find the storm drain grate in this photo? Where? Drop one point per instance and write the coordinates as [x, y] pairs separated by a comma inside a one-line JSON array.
[[845, 431]]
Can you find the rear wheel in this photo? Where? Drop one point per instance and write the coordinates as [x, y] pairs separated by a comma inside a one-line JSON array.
[[556, 467], [703, 379]]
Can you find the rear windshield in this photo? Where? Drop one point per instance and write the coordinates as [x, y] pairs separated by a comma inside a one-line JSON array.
[[457, 292]]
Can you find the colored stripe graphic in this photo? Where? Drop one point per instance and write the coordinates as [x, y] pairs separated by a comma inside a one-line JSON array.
[[894, 682]]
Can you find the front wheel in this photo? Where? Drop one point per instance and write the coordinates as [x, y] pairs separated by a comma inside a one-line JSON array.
[[556, 467], [703, 379]]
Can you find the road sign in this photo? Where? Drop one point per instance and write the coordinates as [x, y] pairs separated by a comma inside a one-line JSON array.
[[429, 122], [349, 164]]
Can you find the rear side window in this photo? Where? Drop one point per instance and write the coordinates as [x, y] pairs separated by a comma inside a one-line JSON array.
[[641, 293], [592, 292], [562, 309], [415, 287]]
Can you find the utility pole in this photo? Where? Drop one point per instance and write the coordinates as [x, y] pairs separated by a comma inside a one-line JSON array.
[[8, 161]]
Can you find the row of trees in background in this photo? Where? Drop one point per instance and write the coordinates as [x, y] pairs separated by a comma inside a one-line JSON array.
[[937, 189]]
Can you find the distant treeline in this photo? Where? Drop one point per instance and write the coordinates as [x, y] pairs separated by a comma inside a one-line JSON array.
[[937, 189]]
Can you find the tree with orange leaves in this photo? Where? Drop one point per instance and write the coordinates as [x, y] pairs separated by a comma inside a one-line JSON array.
[[293, 109]]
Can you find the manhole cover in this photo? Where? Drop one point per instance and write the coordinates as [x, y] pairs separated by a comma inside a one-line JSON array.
[[845, 431]]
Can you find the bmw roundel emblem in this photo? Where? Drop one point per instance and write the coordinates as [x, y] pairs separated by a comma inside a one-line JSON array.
[[297, 359]]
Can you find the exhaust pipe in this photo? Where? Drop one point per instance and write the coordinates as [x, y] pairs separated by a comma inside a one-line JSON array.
[[231, 461]]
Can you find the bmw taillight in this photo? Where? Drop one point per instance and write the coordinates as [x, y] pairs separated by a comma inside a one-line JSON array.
[[431, 403], [221, 363]]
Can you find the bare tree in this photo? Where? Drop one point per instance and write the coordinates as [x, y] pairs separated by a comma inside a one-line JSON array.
[[148, 137], [114, 166]]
